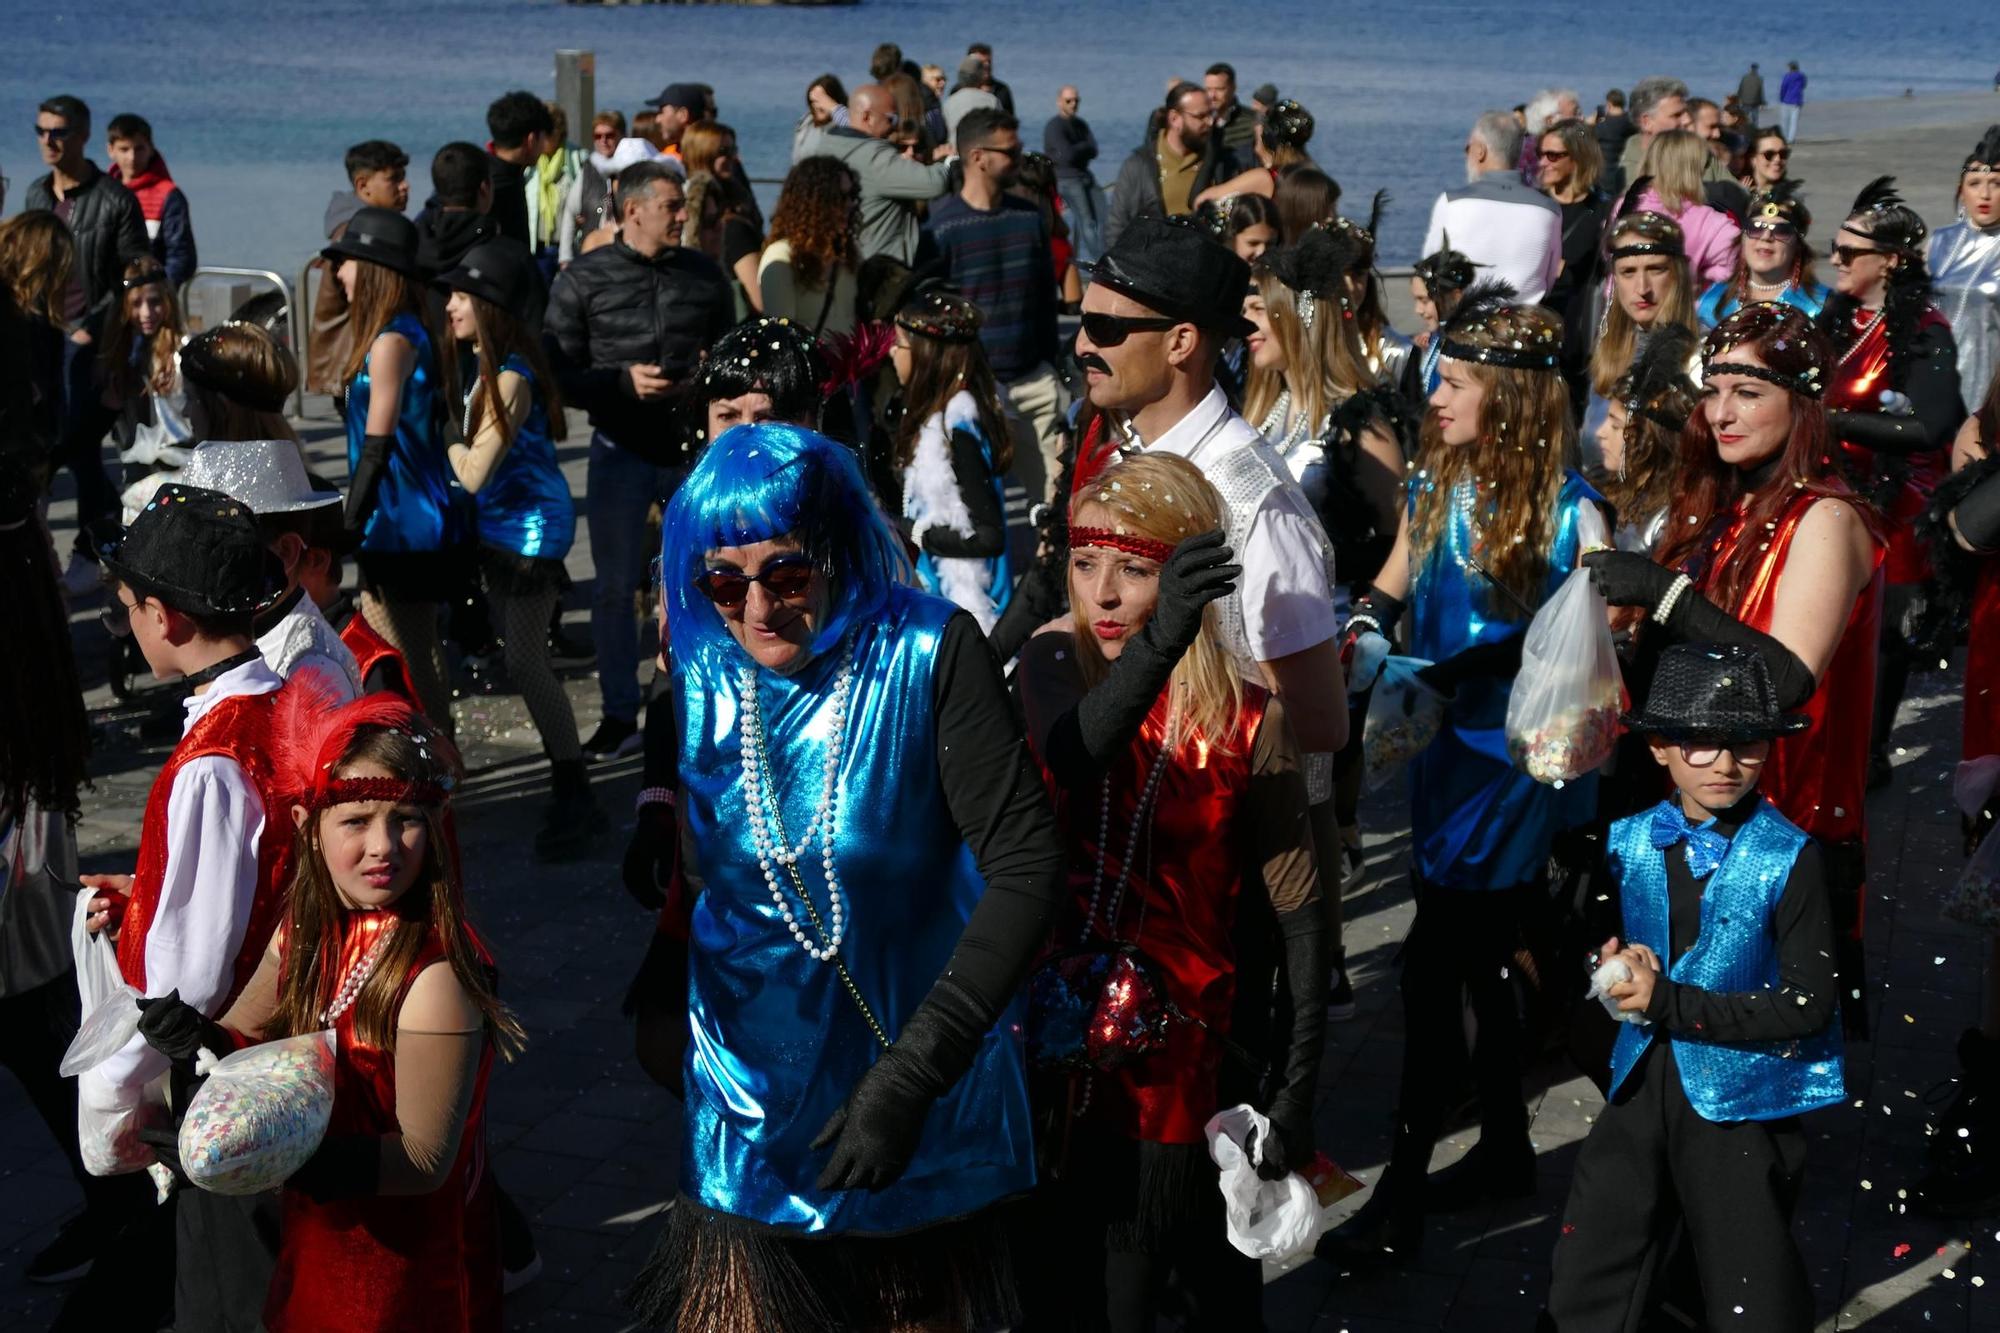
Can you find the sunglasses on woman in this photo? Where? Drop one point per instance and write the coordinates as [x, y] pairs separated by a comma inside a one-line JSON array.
[[1703, 754], [1847, 254], [1776, 154], [1553, 155], [1110, 330], [1771, 231], [786, 578]]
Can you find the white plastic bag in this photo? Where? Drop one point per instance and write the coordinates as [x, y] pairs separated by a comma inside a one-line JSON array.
[[1562, 717], [1266, 1219], [1610, 973], [1404, 716], [260, 1115], [107, 1124]]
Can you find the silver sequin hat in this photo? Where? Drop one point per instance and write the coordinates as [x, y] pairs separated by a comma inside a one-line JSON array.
[[264, 476]]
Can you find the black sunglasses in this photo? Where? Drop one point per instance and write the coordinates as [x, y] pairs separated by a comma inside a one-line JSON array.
[[1776, 230], [1847, 254], [1775, 154], [787, 577], [56, 132], [1110, 330]]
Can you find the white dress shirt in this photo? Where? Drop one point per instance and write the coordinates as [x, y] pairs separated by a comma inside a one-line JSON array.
[[302, 640]]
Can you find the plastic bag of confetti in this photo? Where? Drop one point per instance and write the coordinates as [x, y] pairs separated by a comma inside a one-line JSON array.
[[1562, 717], [1265, 1219], [260, 1115], [1404, 716], [1609, 973]]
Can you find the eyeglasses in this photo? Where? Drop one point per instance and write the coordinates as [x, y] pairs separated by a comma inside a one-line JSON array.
[[56, 132], [1771, 231], [1847, 254], [787, 578], [116, 617], [1702, 754], [1110, 330], [1552, 155], [607, 134], [1775, 154], [1011, 154]]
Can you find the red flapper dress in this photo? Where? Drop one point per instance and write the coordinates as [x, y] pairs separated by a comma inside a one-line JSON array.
[[1982, 665], [415, 1263], [1900, 488], [1178, 908]]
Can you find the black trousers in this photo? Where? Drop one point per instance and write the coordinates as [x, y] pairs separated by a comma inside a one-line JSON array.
[[1651, 1160], [226, 1247], [1461, 946]]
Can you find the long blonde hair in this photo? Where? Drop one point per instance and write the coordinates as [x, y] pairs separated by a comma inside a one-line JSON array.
[[1516, 464], [1618, 337], [159, 370], [1675, 160], [1324, 365], [1166, 499]]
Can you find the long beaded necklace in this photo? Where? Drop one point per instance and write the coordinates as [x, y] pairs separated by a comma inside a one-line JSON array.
[[1860, 338], [767, 829], [1142, 813], [350, 986], [1275, 418]]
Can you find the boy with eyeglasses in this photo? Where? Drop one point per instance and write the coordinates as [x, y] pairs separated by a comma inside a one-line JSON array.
[[1728, 1002]]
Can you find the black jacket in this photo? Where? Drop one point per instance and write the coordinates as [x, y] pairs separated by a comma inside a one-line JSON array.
[[614, 308], [109, 230], [510, 198], [1070, 145], [1136, 193]]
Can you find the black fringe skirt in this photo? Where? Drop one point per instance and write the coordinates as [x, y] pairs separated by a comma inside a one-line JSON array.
[[714, 1273]]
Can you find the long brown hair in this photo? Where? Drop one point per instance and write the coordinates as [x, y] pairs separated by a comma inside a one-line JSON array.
[[381, 294], [500, 335], [1324, 365], [938, 370], [249, 356], [161, 369], [1618, 337], [1517, 461], [1706, 489], [1166, 498], [818, 212], [313, 911], [37, 257]]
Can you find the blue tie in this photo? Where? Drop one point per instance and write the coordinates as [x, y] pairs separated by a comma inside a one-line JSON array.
[[1705, 846]]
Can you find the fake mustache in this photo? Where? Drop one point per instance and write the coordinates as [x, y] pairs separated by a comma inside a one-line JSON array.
[[1092, 361]]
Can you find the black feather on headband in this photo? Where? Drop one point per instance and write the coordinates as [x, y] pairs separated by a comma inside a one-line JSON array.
[[1633, 193], [1318, 262], [1779, 202], [1891, 222], [1658, 371], [1469, 334], [1986, 157], [1375, 207]]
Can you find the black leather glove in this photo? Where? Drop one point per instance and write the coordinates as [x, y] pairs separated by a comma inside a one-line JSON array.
[[1376, 610], [1625, 578], [1291, 1111], [875, 1132], [361, 487], [178, 1030], [1197, 573], [348, 1167], [165, 1141], [1883, 432], [652, 856], [1498, 661], [1977, 516], [1695, 619]]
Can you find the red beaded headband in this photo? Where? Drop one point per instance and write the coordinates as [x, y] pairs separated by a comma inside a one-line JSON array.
[[1144, 547], [340, 791]]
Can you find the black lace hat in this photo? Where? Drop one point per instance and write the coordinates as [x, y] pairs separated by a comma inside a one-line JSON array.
[[199, 551], [1172, 266], [1713, 691]]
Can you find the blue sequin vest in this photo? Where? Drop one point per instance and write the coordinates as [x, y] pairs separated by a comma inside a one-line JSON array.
[[1476, 821], [417, 504], [525, 506], [777, 1042], [1735, 951]]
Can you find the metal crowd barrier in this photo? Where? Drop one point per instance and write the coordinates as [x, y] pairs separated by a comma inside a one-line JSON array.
[[295, 323]]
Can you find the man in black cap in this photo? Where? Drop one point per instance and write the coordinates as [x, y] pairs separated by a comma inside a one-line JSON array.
[[186, 581], [678, 106], [1159, 307], [1725, 983]]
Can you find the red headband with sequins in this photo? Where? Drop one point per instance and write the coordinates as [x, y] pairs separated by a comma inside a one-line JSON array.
[[340, 791], [1144, 547]]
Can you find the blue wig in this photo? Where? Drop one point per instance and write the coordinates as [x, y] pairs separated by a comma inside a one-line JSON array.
[[761, 482]]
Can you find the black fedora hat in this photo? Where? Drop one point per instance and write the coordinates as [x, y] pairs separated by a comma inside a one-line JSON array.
[[199, 551], [1173, 266], [1713, 691], [380, 236], [500, 271]]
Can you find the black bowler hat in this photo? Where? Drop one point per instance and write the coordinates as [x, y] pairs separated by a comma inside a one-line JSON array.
[[1172, 266], [499, 271], [380, 236], [199, 552], [1714, 691]]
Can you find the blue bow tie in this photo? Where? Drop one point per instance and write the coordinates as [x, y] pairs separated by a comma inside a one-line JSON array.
[[1705, 846]]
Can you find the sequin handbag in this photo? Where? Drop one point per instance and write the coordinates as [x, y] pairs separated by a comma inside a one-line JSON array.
[[1096, 1008]]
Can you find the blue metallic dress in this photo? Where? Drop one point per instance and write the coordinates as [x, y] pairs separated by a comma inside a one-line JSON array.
[[418, 508], [777, 1040], [1719, 301], [524, 515], [1476, 821]]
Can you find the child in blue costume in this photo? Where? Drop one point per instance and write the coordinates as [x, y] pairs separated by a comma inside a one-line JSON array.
[[874, 865], [401, 501], [1729, 1035], [1490, 533]]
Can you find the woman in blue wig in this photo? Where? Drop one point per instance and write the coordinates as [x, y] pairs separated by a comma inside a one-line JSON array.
[[877, 868]]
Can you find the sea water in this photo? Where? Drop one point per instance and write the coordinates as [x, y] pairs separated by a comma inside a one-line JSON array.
[[254, 101]]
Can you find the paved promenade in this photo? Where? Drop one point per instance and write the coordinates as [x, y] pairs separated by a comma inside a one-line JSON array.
[[589, 1145]]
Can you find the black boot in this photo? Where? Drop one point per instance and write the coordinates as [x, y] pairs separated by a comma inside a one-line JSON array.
[[1388, 1232], [1500, 1166], [574, 820], [1964, 1176]]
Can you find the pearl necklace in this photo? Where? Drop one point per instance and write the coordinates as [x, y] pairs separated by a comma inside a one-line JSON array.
[[1275, 418], [767, 826], [1141, 815], [350, 986], [1860, 338]]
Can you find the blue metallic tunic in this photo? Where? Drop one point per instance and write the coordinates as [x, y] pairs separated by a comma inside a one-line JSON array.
[[417, 503], [525, 506], [1734, 952], [1717, 303], [1476, 821], [777, 1042]]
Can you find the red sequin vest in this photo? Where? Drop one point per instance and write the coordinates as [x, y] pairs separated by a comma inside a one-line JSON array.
[[371, 650]]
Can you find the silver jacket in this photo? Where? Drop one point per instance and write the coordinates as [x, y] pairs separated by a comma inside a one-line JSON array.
[[1965, 282]]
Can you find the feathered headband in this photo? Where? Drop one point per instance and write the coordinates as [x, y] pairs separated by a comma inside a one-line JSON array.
[[1475, 333], [1657, 387], [1891, 222], [1287, 124], [1445, 269], [1985, 157], [1779, 204], [313, 735]]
